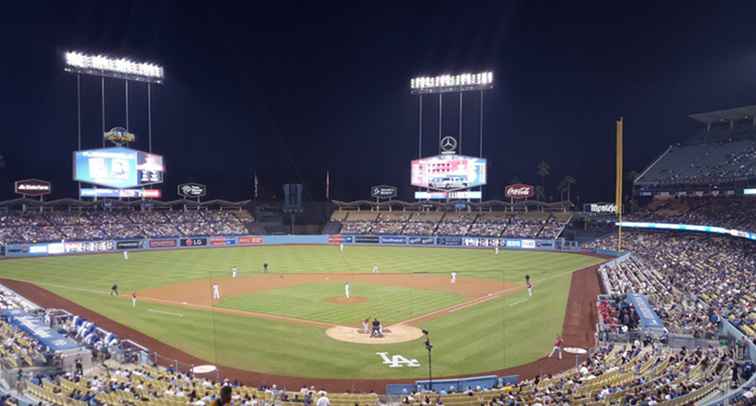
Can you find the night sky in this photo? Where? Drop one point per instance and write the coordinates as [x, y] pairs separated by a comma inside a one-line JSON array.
[[297, 88]]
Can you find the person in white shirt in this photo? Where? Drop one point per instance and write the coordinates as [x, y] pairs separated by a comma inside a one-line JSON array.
[[126, 255], [216, 291], [341, 247], [234, 272], [453, 277], [347, 290], [375, 268], [323, 399]]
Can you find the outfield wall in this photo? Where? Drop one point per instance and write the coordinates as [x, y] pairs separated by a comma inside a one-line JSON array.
[[104, 246]]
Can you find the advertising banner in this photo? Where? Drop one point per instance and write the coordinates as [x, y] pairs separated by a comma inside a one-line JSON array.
[[87, 246], [366, 239], [392, 239], [514, 244], [519, 191], [469, 194], [129, 245], [450, 241], [32, 187], [383, 192], [192, 190], [250, 240], [221, 241], [120, 193], [193, 242], [420, 240], [528, 244], [448, 172], [163, 244]]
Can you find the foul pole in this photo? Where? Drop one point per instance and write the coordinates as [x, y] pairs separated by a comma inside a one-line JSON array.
[[618, 183]]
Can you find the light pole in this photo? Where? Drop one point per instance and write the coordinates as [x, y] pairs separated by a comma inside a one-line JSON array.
[[429, 347]]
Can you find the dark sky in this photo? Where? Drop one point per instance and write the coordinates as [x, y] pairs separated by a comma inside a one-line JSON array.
[[290, 89]]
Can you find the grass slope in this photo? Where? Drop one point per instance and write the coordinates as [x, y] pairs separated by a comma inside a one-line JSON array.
[[502, 333]]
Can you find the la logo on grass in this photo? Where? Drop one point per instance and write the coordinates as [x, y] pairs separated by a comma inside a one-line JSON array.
[[398, 360]]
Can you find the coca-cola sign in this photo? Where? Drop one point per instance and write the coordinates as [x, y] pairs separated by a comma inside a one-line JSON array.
[[519, 191], [33, 187]]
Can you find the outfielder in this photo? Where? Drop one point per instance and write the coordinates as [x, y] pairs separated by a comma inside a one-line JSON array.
[[530, 285], [265, 267], [133, 300], [375, 268], [453, 277], [126, 255], [341, 247], [496, 250], [234, 272], [216, 291], [114, 290], [346, 290]]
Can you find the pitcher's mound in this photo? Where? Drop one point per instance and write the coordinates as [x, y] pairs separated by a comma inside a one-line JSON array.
[[344, 300], [394, 334]]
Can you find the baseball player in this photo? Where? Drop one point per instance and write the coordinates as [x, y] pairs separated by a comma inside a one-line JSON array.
[[557, 347], [234, 272], [496, 250], [265, 267], [366, 326], [216, 291], [341, 247], [114, 290], [126, 255], [133, 299], [375, 268], [453, 277], [530, 285], [346, 290]]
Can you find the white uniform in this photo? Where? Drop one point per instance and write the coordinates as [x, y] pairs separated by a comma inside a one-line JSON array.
[[133, 300], [216, 291], [234, 272], [497, 250], [126, 255], [453, 277], [375, 268], [341, 247], [346, 290]]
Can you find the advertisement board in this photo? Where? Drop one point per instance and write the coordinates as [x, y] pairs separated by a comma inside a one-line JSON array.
[[448, 172], [469, 194], [393, 239], [250, 240], [528, 243], [383, 192], [749, 191], [519, 191], [221, 241], [193, 242], [32, 187], [162, 244], [118, 167], [191, 190], [120, 193], [366, 239], [451, 241], [75, 247], [420, 240], [129, 245]]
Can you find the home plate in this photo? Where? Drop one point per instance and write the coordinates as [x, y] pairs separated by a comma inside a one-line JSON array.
[[184, 303]]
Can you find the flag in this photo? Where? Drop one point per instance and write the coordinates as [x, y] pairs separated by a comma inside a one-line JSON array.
[[255, 186], [328, 185]]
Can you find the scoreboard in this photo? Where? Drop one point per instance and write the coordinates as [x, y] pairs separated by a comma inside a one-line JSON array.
[[118, 167]]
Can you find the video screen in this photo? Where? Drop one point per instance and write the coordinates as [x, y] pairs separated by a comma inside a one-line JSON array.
[[448, 172], [118, 167]]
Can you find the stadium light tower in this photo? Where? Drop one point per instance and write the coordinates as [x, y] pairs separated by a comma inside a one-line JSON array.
[[104, 66], [446, 83]]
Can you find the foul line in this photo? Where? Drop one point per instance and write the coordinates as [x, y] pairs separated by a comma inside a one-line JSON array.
[[167, 313], [237, 312]]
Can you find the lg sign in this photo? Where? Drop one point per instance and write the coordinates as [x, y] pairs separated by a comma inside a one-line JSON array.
[[33, 187], [192, 190], [519, 191]]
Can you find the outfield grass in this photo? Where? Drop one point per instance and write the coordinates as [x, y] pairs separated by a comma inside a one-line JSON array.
[[505, 332]]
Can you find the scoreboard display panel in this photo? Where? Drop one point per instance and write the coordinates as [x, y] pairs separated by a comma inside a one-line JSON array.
[[448, 172], [118, 167]]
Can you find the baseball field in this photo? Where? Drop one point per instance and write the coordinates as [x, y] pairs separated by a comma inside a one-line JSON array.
[[295, 320]]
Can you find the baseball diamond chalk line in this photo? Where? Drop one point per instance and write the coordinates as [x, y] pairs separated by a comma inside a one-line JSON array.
[[166, 313]]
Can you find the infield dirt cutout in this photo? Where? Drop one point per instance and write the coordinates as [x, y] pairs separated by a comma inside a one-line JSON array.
[[197, 294]]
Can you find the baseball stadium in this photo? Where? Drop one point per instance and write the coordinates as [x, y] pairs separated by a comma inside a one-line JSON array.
[[135, 282]]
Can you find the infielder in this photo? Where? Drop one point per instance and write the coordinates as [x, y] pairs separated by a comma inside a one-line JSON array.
[[346, 290], [234, 272], [114, 290], [375, 268], [453, 277], [216, 291], [265, 267], [133, 300], [126, 255]]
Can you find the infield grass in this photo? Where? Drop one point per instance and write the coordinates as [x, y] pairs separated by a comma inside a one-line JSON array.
[[498, 334]]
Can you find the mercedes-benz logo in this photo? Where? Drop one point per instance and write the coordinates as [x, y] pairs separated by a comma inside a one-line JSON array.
[[448, 144]]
